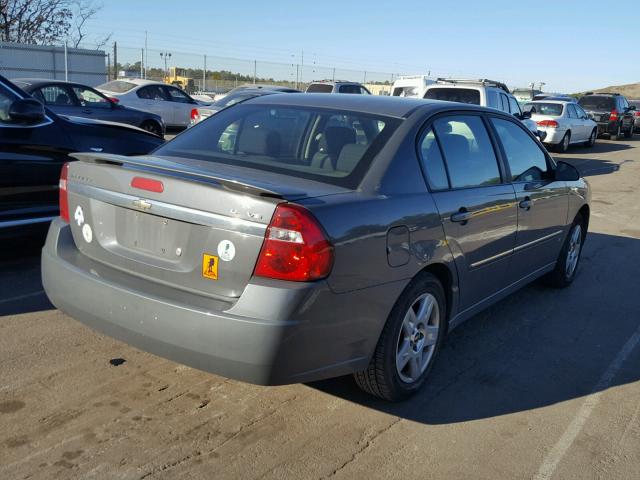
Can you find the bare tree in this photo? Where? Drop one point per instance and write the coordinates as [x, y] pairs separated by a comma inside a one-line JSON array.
[[34, 21], [48, 21]]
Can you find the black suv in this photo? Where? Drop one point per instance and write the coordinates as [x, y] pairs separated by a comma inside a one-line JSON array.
[[611, 111]]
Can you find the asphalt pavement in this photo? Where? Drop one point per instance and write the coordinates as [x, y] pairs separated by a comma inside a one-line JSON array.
[[542, 385]]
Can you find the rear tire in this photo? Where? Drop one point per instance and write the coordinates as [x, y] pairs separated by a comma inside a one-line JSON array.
[[618, 134], [569, 258], [152, 127], [409, 342], [629, 133], [563, 146], [592, 139]]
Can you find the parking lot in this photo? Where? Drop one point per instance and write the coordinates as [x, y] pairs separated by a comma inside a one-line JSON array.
[[542, 385]]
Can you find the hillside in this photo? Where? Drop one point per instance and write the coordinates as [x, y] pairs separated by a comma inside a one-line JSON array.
[[630, 90]]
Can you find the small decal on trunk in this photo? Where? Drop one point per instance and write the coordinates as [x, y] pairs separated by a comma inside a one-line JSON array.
[[210, 266], [226, 250], [87, 233], [79, 216]]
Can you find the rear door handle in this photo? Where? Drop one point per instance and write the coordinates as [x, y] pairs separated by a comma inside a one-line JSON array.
[[462, 216], [526, 203]]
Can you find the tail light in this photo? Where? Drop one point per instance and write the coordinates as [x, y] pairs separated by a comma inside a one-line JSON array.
[[548, 123], [613, 115], [295, 247], [63, 195], [194, 114], [637, 113], [148, 184], [114, 99]]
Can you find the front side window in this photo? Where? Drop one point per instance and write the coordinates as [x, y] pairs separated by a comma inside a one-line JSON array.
[[90, 98], [467, 150], [151, 92], [513, 104], [433, 162], [526, 160], [177, 95], [581, 112], [54, 95], [325, 145]]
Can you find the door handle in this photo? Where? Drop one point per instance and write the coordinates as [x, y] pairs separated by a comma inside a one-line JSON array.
[[462, 216], [526, 203], [86, 110]]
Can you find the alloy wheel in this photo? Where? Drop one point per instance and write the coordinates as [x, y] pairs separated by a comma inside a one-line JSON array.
[[573, 252], [417, 338]]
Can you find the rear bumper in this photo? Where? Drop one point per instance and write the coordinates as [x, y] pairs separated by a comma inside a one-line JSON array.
[[553, 135], [275, 333]]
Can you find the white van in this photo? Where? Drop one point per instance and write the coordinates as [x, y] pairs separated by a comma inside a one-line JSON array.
[[411, 86]]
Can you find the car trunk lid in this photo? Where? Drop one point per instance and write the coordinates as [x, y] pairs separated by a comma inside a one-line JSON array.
[[194, 227]]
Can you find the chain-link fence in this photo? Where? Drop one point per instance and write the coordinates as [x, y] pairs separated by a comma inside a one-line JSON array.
[[216, 74]]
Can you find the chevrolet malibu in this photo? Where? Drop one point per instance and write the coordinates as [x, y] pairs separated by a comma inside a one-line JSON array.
[[293, 238]]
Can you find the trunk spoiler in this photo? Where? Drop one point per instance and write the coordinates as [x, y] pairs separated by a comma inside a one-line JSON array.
[[164, 166]]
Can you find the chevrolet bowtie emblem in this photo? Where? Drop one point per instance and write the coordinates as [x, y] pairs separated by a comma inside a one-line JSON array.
[[142, 204]]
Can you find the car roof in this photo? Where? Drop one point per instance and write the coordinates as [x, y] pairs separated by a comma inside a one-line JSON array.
[[36, 82], [400, 107], [137, 81]]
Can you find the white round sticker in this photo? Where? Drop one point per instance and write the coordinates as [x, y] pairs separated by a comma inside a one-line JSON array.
[[87, 233], [226, 250]]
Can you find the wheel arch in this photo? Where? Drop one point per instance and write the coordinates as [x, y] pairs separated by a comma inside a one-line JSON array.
[[447, 279]]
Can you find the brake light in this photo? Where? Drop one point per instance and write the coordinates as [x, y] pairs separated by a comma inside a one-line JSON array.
[[295, 247], [548, 123], [114, 99], [194, 114], [637, 113], [63, 195], [613, 115], [148, 184]]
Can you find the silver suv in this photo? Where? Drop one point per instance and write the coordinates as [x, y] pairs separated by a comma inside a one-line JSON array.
[[337, 86], [487, 93]]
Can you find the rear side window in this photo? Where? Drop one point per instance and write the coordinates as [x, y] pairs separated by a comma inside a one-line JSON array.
[[467, 150], [460, 95], [350, 89], [117, 86], [433, 162], [526, 160], [320, 88], [571, 110], [331, 146], [405, 92], [597, 102], [152, 92]]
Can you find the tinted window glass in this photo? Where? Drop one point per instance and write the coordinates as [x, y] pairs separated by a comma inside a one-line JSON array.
[[349, 89], [117, 86], [468, 152], [432, 162], [6, 99], [596, 102], [320, 88], [91, 99], [526, 160], [152, 92], [571, 111], [330, 146], [551, 109], [55, 95], [492, 99], [581, 112], [460, 95], [177, 95], [405, 92], [513, 105], [505, 103]]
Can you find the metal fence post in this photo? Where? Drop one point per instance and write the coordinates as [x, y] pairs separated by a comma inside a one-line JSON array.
[[66, 63]]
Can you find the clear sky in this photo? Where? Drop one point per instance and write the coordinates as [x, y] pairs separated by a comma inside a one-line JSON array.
[[569, 45]]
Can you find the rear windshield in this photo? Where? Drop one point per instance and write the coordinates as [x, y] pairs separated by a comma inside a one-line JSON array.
[[597, 102], [117, 86], [553, 109], [405, 92], [320, 88], [331, 146], [461, 95]]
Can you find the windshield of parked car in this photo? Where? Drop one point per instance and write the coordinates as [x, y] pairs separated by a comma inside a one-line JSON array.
[[117, 86], [460, 95], [320, 88], [552, 109], [597, 102], [331, 146]]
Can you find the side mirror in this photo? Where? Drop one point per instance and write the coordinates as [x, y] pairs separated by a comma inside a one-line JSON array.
[[526, 114], [27, 111], [632, 107], [566, 172]]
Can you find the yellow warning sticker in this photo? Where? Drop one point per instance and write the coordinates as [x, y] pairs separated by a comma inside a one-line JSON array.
[[210, 266]]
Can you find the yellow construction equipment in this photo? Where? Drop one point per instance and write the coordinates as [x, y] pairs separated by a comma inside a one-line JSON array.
[[178, 77]]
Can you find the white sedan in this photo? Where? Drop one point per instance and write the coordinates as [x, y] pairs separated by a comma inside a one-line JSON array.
[[176, 108], [564, 122]]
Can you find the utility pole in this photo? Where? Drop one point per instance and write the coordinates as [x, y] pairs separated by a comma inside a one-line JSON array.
[[334, 74], [255, 68], [66, 63], [166, 56], [142, 63], [115, 60], [146, 54], [204, 75]]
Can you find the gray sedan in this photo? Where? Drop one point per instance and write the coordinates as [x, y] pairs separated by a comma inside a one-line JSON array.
[[299, 237]]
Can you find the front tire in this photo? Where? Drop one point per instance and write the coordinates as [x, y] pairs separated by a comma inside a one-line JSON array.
[[567, 264], [409, 342]]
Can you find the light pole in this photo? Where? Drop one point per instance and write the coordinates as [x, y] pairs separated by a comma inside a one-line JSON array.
[[166, 56]]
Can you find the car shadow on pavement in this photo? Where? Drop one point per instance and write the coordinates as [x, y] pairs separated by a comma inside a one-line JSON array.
[[589, 167], [538, 347], [20, 282]]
